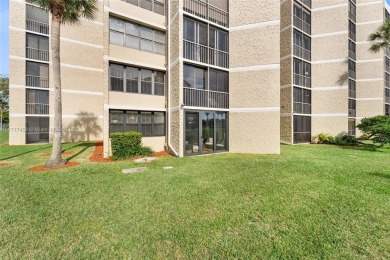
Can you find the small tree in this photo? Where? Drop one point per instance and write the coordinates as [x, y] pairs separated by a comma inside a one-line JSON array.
[[377, 128], [4, 100], [71, 12]]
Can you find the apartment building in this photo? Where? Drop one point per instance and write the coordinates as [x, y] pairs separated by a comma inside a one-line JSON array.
[[330, 80], [200, 76]]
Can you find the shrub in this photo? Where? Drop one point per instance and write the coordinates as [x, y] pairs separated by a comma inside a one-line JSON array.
[[127, 145], [325, 139], [376, 128], [345, 139]]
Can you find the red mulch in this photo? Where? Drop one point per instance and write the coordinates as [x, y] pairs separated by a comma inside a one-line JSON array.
[[98, 154], [63, 153], [42, 168], [7, 144], [3, 164]]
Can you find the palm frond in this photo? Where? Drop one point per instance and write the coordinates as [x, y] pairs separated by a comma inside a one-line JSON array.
[[380, 39], [76, 9]]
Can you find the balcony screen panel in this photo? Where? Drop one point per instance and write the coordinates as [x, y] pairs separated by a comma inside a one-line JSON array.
[[116, 38], [37, 14], [188, 75], [221, 4], [117, 25], [132, 29], [159, 7], [203, 34], [146, 4], [222, 41], [189, 30], [200, 78], [37, 69]]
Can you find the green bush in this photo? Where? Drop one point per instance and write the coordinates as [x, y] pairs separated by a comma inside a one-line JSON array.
[[128, 144], [342, 139], [325, 139], [345, 139]]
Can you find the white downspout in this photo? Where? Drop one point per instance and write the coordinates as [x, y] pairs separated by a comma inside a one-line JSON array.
[[169, 81]]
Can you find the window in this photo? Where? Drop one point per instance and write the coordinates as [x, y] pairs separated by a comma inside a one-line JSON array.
[[37, 74], [302, 45], [351, 88], [351, 126], [37, 47], [136, 80], [387, 110], [302, 73], [37, 102], [351, 107], [136, 36], [302, 18], [37, 19], [218, 80], [302, 129], [194, 77], [37, 129], [302, 101], [198, 35], [145, 122], [156, 6]]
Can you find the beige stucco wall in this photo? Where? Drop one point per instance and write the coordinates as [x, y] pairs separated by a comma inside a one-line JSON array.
[[254, 79], [286, 129], [254, 132], [175, 75], [332, 125]]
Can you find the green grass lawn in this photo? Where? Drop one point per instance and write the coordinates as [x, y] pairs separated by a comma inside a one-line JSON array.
[[309, 202]]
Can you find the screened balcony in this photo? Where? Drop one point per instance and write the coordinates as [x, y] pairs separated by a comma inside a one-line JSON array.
[[37, 47], [37, 74], [201, 53], [37, 19], [205, 98], [37, 102], [205, 10], [37, 108]]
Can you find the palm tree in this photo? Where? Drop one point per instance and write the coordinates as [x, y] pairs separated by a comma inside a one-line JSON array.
[[62, 11], [381, 38]]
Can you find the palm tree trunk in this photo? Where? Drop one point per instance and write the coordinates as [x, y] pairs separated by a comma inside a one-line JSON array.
[[56, 159]]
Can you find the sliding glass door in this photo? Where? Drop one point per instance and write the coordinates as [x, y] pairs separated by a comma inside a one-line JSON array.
[[205, 132]]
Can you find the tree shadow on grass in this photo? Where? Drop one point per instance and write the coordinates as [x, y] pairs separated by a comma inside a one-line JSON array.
[[379, 174], [85, 147], [20, 154]]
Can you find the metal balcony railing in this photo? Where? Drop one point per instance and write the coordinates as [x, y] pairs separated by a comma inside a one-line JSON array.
[[303, 81], [37, 27], [302, 52], [387, 100], [352, 55], [352, 17], [205, 54], [37, 54], [206, 11], [352, 36], [302, 108], [37, 108], [205, 98], [352, 74], [38, 82], [351, 112], [300, 24], [351, 93]]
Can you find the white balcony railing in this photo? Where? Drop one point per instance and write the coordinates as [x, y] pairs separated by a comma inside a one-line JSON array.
[[302, 52], [303, 81], [205, 54], [37, 27], [37, 108], [205, 98], [38, 82], [206, 11], [37, 54]]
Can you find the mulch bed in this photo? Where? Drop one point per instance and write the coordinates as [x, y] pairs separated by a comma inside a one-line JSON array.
[[63, 153], [3, 164], [42, 168], [98, 155], [6, 144]]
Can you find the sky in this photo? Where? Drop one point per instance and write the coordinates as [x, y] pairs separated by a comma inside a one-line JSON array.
[[4, 18], [4, 37]]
